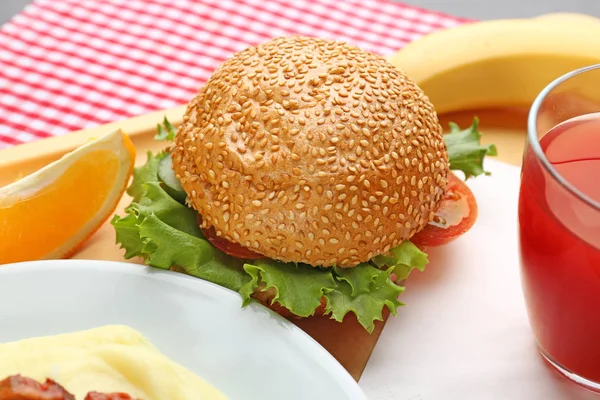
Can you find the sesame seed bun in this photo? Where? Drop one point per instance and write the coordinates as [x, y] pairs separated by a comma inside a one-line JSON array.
[[313, 151]]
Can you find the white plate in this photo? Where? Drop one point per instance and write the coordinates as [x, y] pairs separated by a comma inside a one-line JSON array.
[[249, 353]]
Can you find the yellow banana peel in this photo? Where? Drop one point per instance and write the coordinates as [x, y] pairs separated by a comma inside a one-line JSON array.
[[501, 63]]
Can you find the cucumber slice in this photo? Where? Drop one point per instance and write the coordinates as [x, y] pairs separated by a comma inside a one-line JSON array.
[[170, 182]]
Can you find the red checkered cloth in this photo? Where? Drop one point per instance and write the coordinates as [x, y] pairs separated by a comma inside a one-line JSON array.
[[72, 64]]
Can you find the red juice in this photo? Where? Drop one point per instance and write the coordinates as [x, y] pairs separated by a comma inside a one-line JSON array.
[[560, 246]]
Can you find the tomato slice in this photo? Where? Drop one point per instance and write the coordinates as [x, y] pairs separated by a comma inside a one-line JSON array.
[[456, 214], [233, 249]]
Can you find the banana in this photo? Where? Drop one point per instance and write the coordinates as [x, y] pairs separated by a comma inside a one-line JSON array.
[[500, 63]]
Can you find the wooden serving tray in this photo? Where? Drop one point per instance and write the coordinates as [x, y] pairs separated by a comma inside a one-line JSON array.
[[349, 343]]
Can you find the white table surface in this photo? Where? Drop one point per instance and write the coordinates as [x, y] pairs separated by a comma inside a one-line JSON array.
[[464, 332]]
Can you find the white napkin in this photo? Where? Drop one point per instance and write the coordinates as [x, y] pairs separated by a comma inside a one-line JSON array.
[[464, 333]]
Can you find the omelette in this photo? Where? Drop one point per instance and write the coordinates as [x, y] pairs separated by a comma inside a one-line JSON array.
[[107, 359]]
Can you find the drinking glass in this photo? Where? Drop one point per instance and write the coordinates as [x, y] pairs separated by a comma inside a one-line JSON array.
[[559, 224]]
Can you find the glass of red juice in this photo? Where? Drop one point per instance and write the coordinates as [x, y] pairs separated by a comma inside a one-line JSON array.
[[559, 224]]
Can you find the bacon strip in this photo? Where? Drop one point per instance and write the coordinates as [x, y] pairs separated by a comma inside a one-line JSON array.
[[17, 387]]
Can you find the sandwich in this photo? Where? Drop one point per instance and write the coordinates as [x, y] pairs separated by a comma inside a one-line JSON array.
[[307, 174]]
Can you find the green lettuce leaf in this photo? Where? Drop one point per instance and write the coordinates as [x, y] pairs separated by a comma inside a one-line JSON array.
[[465, 151], [402, 260], [158, 202], [299, 288], [128, 234], [166, 247], [166, 131], [165, 233], [145, 174], [363, 290]]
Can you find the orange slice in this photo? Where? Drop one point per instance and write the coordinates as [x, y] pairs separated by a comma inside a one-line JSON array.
[[50, 213]]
